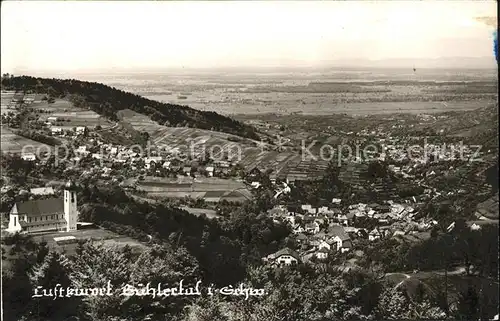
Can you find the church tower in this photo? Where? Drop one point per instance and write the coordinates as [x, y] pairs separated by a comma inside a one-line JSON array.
[[70, 206]]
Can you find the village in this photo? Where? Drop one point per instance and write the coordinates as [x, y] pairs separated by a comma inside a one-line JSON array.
[[335, 227]]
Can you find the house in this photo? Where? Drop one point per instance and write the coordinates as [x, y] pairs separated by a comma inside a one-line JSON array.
[[255, 184], [374, 235], [151, 161], [312, 227], [46, 214], [56, 130], [336, 201], [28, 101], [223, 164], [29, 157], [81, 130], [210, 171], [343, 219], [52, 119], [306, 207], [398, 232], [42, 191], [339, 236], [325, 245], [186, 170], [323, 210], [284, 257], [322, 254], [301, 238]]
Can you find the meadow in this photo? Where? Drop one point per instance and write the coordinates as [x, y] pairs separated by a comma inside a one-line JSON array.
[[13, 143], [68, 115], [208, 188], [6, 102]]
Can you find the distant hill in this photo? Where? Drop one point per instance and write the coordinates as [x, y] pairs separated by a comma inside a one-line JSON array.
[[107, 101]]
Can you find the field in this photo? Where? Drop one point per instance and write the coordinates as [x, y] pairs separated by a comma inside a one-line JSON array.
[[201, 211], [12, 143], [97, 235], [246, 152], [319, 92], [6, 102], [69, 115], [210, 189]]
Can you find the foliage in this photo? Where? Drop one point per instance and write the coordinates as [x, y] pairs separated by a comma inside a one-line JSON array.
[[394, 305]]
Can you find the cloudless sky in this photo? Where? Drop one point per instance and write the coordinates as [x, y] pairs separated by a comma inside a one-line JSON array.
[[63, 35]]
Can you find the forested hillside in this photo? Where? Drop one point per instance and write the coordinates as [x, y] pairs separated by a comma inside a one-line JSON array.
[[107, 101]]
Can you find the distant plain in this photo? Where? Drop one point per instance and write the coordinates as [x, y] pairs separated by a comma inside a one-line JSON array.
[[358, 92]]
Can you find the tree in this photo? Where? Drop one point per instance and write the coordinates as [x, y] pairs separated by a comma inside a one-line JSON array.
[[93, 268], [468, 305], [206, 309], [394, 305], [51, 272]]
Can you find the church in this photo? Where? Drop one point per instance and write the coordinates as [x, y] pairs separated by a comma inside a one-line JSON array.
[[44, 215]]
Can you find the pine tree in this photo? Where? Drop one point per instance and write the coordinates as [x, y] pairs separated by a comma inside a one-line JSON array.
[[48, 274], [93, 268]]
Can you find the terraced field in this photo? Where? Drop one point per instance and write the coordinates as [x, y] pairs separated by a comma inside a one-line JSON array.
[[246, 152]]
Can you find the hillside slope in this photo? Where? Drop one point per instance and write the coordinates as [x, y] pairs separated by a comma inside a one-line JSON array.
[[107, 101]]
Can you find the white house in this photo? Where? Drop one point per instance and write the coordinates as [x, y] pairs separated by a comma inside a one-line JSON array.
[[56, 130], [81, 130], [339, 236], [30, 157], [325, 245], [45, 214], [374, 235], [322, 254], [52, 119], [284, 257], [255, 184], [210, 170]]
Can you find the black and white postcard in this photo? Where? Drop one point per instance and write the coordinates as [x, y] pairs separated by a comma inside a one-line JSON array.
[[249, 160]]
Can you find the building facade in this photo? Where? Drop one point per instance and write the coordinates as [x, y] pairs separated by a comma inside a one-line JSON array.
[[51, 214]]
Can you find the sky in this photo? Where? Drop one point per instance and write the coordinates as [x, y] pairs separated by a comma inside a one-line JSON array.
[[79, 36]]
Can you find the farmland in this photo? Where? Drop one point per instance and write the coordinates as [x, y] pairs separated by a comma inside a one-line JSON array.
[[210, 189], [13, 143], [6, 102], [68, 115], [325, 92], [246, 152]]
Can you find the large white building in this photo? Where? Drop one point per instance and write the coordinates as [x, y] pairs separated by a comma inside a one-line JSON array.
[[51, 214]]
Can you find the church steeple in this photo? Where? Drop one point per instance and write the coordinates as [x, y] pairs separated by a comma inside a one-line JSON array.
[[70, 205], [70, 186]]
